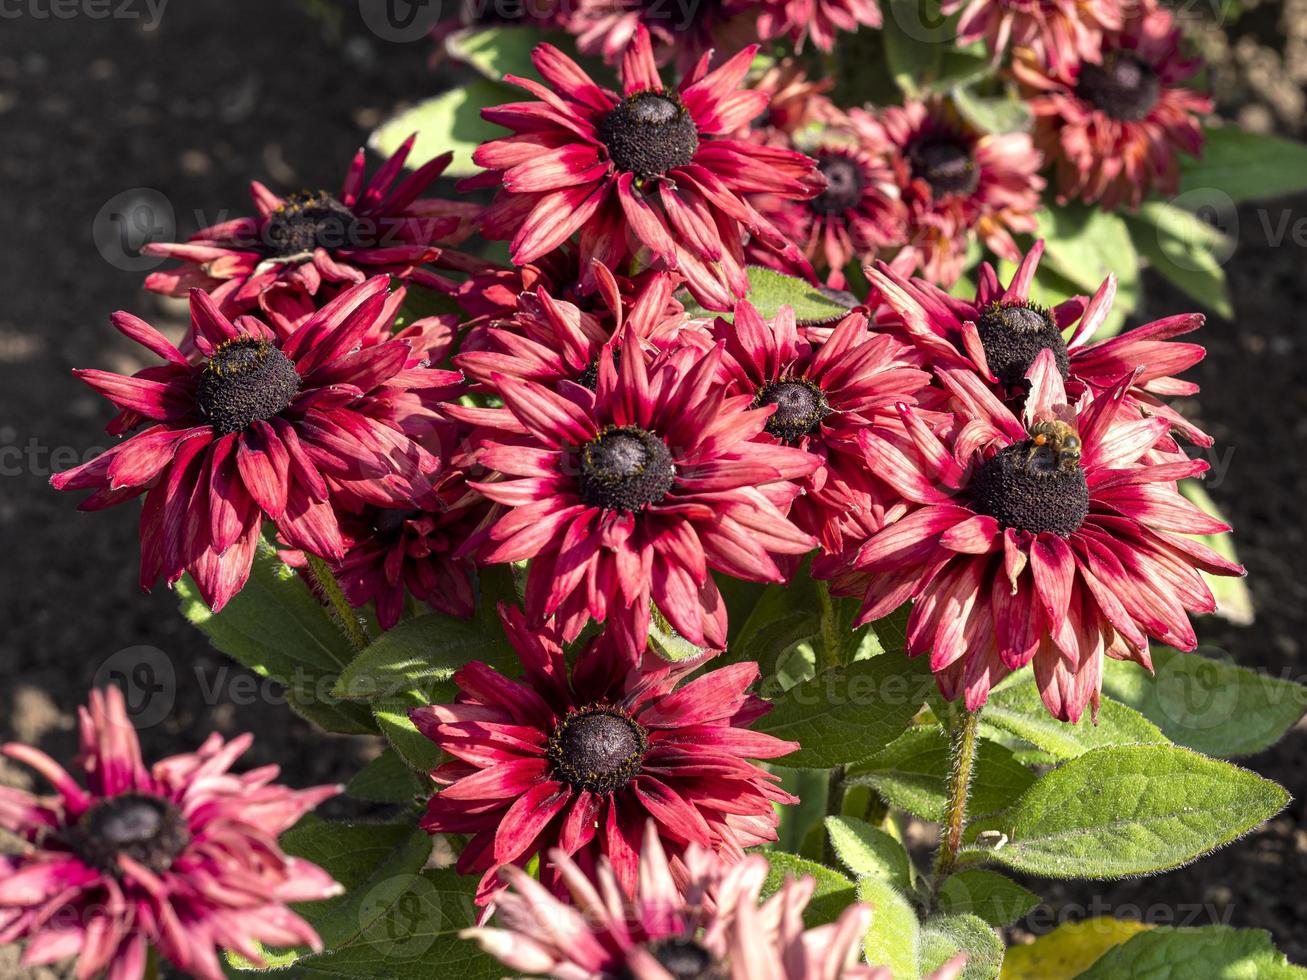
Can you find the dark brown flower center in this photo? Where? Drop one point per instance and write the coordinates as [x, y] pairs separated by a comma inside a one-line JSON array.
[[945, 163], [625, 468], [599, 747], [147, 829], [1033, 486], [1013, 337], [246, 379], [684, 959], [649, 133], [310, 220], [844, 184], [1123, 86], [800, 407]]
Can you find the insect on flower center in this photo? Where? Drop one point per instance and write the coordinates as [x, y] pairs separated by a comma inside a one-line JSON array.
[[945, 163], [1013, 337], [1123, 86], [1037, 485], [310, 220], [598, 747], [147, 829], [649, 133], [684, 959], [246, 379], [800, 407], [844, 184], [624, 468]]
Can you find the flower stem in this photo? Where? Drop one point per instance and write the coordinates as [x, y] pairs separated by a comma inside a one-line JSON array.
[[151, 971], [830, 638], [330, 589], [962, 736], [834, 808]]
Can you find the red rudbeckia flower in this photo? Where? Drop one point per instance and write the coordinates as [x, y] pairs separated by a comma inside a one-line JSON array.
[[857, 215], [581, 759], [826, 394], [1053, 539], [300, 250], [819, 20], [713, 926], [261, 427], [1114, 127], [1000, 333], [959, 185], [181, 856], [1059, 33], [651, 170], [633, 491]]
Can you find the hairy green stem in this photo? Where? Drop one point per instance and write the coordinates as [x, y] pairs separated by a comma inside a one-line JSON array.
[[829, 655], [962, 736], [329, 589]]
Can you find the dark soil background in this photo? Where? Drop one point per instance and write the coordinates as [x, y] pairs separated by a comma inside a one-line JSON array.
[[223, 92]]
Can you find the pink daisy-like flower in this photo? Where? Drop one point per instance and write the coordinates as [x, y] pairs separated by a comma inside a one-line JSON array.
[[1053, 539], [1057, 32], [548, 340], [582, 758], [819, 20], [712, 926], [958, 185], [627, 495], [260, 426], [299, 251], [825, 395], [858, 214], [678, 33], [1001, 332], [182, 856], [1114, 127], [652, 171]]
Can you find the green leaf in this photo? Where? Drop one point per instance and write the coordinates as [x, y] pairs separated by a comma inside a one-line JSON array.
[[1084, 244], [866, 850], [277, 629], [1246, 166], [1017, 708], [1212, 706], [1068, 950], [799, 820], [420, 302], [387, 779], [1185, 251], [391, 715], [770, 290], [1130, 810], [1233, 600], [910, 52], [832, 895], [450, 121], [375, 862], [1002, 114], [993, 897], [496, 51], [945, 936], [893, 937], [1211, 952], [847, 713], [913, 771], [415, 937]]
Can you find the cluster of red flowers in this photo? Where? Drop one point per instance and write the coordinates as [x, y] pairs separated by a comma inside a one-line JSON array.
[[1018, 488]]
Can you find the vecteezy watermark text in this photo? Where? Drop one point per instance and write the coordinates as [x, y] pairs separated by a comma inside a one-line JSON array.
[[149, 12]]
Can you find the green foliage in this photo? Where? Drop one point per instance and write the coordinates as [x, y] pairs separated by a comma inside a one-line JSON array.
[[1211, 706], [449, 122], [921, 52], [1233, 600], [832, 895], [1185, 251], [845, 714], [1017, 708], [386, 779], [866, 850], [1129, 810], [993, 897], [945, 936], [1246, 166], [894, 936], [770, 290], [1211, 952], [1082, 245], [276, 628], [912, 772]]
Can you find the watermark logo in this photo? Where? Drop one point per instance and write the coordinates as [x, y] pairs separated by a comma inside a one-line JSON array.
[[148, 12], [400, 21], [147, 679], [128, 222]]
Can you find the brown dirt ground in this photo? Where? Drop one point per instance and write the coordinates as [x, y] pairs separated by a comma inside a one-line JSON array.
[[91, 108]]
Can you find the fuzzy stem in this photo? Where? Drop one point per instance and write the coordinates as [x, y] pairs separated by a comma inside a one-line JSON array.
[[830, 638], [962, 736], [329, 588]]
